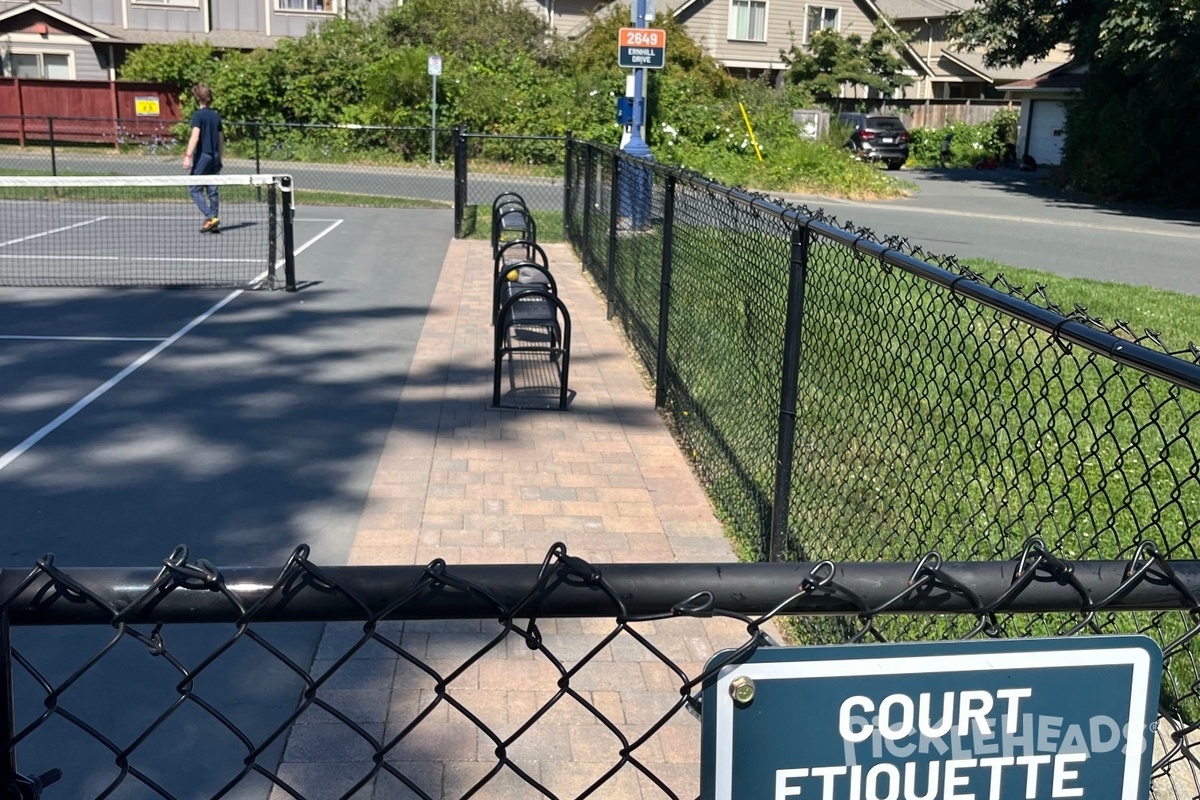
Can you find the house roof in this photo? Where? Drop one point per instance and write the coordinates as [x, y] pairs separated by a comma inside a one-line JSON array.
[[1067, 77], [973, 62], [58, 16], [922, 9], [115, 34], [875, 13], [238, 40]]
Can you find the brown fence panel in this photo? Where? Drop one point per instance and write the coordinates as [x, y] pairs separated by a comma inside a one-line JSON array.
[[929, 113], [84, 111]]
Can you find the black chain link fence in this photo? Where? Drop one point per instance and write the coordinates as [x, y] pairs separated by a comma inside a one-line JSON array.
[[848, 398], [352, 165], [138, 676], [840, 397]]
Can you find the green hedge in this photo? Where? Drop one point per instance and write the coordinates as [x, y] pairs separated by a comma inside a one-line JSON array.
[[969, 144]]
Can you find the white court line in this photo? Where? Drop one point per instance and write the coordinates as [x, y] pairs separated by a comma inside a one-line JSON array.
[[56, 230], [99, 391], [31, 338], [185, 259], [279, 262]]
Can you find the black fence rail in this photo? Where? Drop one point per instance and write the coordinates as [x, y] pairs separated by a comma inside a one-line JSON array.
[[110, 675]]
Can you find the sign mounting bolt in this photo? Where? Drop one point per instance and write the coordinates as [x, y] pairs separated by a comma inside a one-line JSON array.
[[741, 689]]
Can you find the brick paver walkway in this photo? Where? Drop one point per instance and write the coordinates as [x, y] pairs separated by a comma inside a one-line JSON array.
[[471, 485]]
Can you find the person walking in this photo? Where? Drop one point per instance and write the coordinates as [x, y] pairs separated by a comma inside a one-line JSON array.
[[205, 152]]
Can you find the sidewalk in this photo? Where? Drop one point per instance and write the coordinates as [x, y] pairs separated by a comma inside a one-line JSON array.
[[471, 485]]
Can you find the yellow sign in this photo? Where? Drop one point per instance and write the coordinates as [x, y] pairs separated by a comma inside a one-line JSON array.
[[146, 106]]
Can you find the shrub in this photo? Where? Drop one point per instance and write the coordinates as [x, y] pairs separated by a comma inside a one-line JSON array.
[[969, 144]]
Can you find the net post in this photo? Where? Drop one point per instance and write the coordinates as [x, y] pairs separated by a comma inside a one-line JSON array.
[[272, 233], [289, 240]]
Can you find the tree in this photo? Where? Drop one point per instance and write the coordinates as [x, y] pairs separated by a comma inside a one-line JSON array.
[[832, 61], [1138, 118]]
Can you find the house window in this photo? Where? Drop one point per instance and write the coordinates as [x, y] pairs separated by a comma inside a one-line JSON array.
[[748, 20], [327, 6], [41, 65], [184, 3], [818, 19]]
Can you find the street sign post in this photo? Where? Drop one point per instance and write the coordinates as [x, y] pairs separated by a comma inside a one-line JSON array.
[[435, 69], [976, 720], [641, 48]]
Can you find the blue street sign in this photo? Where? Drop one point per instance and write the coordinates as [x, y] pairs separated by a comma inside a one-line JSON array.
[[1014, 719]]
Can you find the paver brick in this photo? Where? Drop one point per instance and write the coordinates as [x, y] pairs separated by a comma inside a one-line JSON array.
[[470, 485]]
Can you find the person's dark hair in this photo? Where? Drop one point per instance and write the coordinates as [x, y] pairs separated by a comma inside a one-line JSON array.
[[202, 93]]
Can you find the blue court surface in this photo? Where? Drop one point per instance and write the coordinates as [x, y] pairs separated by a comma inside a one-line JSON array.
[[241, 423]]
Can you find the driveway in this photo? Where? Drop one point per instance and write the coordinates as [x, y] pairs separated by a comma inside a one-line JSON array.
[[1016, 218]]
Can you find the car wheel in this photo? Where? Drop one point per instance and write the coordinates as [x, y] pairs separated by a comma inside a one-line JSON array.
[[895, 164]]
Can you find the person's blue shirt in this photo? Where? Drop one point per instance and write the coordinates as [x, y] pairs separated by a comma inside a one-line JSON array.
[[207, 158]]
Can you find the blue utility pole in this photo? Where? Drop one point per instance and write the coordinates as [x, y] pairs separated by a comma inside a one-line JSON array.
[[636, 184], [636, 146]]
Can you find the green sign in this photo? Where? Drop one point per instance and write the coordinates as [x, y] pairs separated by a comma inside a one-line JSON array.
[[1017, 719]]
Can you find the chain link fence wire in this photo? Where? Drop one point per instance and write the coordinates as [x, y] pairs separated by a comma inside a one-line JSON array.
[[492, 164], [332, 164], [932, 409], [398, 690], [354, 165]]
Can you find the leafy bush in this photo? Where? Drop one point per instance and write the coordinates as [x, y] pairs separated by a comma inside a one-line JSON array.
[[503, 73], [969, 144]]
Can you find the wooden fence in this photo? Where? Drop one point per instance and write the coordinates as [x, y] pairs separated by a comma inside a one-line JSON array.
[[929, 113], [100, 112]]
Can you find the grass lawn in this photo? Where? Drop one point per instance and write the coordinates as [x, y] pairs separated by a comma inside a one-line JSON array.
[[477, 224], [1175, 317]]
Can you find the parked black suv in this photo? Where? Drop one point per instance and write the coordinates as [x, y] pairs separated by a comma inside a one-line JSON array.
[[877, 138]]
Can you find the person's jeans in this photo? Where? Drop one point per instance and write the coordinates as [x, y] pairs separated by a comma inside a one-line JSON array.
[[206, 198]]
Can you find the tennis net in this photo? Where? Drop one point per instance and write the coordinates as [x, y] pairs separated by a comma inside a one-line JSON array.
[[145, 231]]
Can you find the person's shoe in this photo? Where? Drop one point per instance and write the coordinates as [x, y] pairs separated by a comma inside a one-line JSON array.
[[211, 225]]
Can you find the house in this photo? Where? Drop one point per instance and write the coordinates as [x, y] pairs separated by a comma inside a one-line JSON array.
[[1042, 128], [88, 39], [951, 72], [748, 36]]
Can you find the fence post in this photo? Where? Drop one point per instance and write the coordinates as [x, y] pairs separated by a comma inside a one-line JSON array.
[[257, 151], [460, 179], [613, 210], [664, 294], [20, 113], [785, 446], [588, 191], [116, 111], [53, 154], [568, 152]]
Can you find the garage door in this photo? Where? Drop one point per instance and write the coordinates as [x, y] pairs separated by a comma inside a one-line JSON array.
[[1047, 124]]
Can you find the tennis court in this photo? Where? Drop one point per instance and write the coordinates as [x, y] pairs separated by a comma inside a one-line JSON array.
[[241, 423], [119, 231]]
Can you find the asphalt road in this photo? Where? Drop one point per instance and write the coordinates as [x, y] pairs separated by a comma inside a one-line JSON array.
[[1015, 219]]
